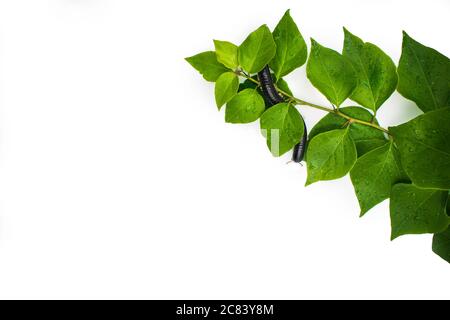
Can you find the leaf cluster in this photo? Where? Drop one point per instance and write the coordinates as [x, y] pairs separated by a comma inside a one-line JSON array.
[[408, 164]]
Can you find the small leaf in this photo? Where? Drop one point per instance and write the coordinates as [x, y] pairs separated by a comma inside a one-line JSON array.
[[247, 106], [374, 174], [283, 85], [331, 73], [257, 50], [226, 88], [331, 155], [375, 70], [424, 145], [291, 50], [417, 211], [366, 138], [424, 75], [227, 53], [282, 126], [206, 63], [248, 84]]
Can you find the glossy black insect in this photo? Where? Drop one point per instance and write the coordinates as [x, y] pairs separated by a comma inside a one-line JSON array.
[[272, 95]]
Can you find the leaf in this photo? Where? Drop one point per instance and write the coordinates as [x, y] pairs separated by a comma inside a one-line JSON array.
[[282, 126], [374, 174], [417, 211], [331, 73], [441, 241], [247, 106], [257, 50], [206, 63], [291, 50], [375, 71], [441, 244], [366, 138], [227, 53], [248, 84], [226, 88], [424, 75], [282, 85], [331, 155], [424, 145]]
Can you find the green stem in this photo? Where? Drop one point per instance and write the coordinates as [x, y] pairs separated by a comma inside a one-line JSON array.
[[316, 106]]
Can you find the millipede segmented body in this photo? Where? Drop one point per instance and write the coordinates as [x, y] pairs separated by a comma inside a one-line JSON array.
[[272, 95], [298, 154], [268, 87]]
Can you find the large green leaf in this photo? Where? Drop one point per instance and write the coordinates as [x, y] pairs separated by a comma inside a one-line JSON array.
[[424, 145], [331, 73], [206, 63], [282, 126], [424, 75], [374, 174], [331, 155], [291, 50], [375, 70], [257, 50], [247, 106], [227, 53], [366, 138], [226, 88], [417, 211]]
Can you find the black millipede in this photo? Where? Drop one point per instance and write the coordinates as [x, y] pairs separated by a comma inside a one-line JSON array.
[[272, 95]]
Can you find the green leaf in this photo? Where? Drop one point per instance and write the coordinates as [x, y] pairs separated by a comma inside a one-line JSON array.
[[331, 155], [424, 145], [227, 53], [257, 50], [247, 106], [441, 244], [424, 75], [248, 84], [282, 126], [331, 73], [291, 50], [375, 70], [283, 85], [366, 138], [417, 211], [206, 63], [441, 241], [226, 88], [374, 174]]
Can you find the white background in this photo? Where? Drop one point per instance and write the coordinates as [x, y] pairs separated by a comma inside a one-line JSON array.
[[119, 178]]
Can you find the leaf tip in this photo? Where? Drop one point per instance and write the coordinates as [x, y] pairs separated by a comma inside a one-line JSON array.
[[308, 182], [188, 60], [394, 235], [405, 35]]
